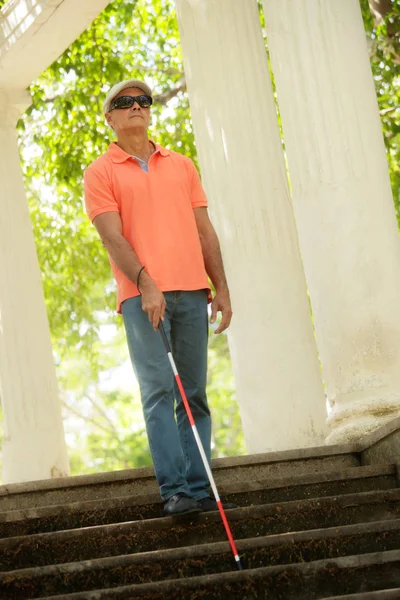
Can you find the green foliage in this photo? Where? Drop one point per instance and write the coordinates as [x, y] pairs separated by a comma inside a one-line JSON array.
[[64, 131], [60, 134], [384, 41], [227, 434], [105, 428]]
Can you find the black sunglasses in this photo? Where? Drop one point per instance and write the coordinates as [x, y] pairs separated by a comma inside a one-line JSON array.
[[128, 101]]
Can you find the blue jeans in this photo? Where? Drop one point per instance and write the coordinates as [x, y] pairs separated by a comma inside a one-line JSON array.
[[176, 458]]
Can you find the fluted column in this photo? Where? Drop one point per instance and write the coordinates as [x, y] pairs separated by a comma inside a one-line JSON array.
[[271, 338], [34, 445], [343, 205]]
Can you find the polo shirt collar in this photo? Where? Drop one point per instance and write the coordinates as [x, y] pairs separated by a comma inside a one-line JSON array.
[[119, 156]]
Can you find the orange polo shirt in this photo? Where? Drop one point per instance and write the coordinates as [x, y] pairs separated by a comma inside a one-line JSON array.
[[156, 210]]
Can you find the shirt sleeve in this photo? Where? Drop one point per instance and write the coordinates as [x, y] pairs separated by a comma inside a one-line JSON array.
[[197, 194], [99, 197]]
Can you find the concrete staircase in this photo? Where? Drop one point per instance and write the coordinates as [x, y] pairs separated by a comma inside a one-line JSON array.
[[312, 523]]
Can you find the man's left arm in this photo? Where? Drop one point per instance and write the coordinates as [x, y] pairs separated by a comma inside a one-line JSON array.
[[214, 267]]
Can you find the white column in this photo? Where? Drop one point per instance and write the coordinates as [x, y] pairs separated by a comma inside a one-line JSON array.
[[271, 338], [34, 445], [343, 204]]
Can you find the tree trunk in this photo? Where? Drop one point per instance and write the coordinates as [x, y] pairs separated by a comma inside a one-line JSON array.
[[380, 9]]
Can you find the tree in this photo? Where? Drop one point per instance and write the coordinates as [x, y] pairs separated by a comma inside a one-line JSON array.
[[64, 130], [382, 24], [60, 134]]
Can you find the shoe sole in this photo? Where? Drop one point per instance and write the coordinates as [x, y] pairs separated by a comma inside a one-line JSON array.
[[217, 509], [191, 511]]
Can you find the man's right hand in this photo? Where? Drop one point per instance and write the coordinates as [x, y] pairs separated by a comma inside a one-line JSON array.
[[153, 300]]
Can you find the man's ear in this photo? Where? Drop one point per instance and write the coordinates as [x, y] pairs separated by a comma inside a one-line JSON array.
[[109, 119]]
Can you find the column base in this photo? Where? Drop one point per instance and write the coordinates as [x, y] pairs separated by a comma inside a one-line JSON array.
[[30, 456], [352, 419]]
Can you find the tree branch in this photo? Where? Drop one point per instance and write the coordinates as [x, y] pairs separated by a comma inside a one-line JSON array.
[[103, 413], [166, 96], [88, 419], [385, 111], [96, 424], [157, 68], [379, 9], [163, 98]]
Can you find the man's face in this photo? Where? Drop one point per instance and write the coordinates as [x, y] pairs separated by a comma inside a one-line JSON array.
[[125, 120]]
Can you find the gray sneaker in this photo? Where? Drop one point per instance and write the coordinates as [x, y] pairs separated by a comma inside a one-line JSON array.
[[181, 504]]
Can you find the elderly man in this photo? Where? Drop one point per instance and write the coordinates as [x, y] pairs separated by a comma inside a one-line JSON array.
[[149, 208]]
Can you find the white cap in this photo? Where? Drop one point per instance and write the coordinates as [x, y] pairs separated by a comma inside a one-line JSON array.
[[123, 85]]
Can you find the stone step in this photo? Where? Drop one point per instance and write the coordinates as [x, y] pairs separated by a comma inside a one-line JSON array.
[[134, 507], [392, 594], [206, 559], [146, 535], [142, 481], [303, 581]]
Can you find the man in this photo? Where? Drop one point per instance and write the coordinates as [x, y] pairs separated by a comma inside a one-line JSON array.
[[150, 210]]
